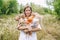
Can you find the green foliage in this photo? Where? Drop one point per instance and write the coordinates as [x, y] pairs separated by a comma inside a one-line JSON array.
[[56, 5], [13, 6], [47, 11], [21, 8], [37, 8], [0, 6], [8, 6]]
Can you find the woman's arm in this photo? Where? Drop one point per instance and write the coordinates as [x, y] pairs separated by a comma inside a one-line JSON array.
[[35, 29], [21, 27]]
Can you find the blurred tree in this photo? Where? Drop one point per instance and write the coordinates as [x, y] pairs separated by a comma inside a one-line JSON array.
[[37, 8], [21, 8], [8, 6], [4, 7], [13, 6], [47, 10], [56, 5], [1, 2]]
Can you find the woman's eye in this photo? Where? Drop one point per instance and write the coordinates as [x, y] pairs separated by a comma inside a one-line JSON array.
[[27, 10]]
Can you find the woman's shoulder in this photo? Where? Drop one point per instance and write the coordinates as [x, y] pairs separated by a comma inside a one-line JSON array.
[[37, 15]]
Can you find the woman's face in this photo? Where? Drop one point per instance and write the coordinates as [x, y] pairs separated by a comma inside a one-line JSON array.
[[27, 11]]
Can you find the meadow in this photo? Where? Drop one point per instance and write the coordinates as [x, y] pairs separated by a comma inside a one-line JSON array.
[[50, 28]]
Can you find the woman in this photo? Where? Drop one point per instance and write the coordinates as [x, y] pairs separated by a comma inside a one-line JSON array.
[[29, 34]]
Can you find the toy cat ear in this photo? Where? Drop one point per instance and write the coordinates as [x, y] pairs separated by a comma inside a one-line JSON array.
[[22, 16], [33, 14], [17, 18]]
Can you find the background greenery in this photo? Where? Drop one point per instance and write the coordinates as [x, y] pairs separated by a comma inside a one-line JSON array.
[[51, 20]]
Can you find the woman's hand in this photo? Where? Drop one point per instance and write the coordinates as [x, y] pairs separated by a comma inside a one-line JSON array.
[[26, 31], [22, 28]]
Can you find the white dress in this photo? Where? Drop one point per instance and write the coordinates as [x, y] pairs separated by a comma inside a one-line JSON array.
[[24, 36]]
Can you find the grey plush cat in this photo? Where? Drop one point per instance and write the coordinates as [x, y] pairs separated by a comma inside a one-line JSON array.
[[34, 24]]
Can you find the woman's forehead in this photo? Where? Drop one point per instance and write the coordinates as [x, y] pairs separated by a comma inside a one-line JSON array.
[[27, 9]]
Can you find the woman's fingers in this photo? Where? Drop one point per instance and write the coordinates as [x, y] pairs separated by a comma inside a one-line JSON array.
[[25, 31]]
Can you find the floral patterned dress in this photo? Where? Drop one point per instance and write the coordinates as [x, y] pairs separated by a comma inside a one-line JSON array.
[[24, 36]]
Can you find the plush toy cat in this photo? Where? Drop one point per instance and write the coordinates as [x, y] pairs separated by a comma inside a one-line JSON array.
[[30, 22]]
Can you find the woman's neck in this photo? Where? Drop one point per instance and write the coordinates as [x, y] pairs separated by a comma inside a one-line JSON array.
[[28, 15]]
